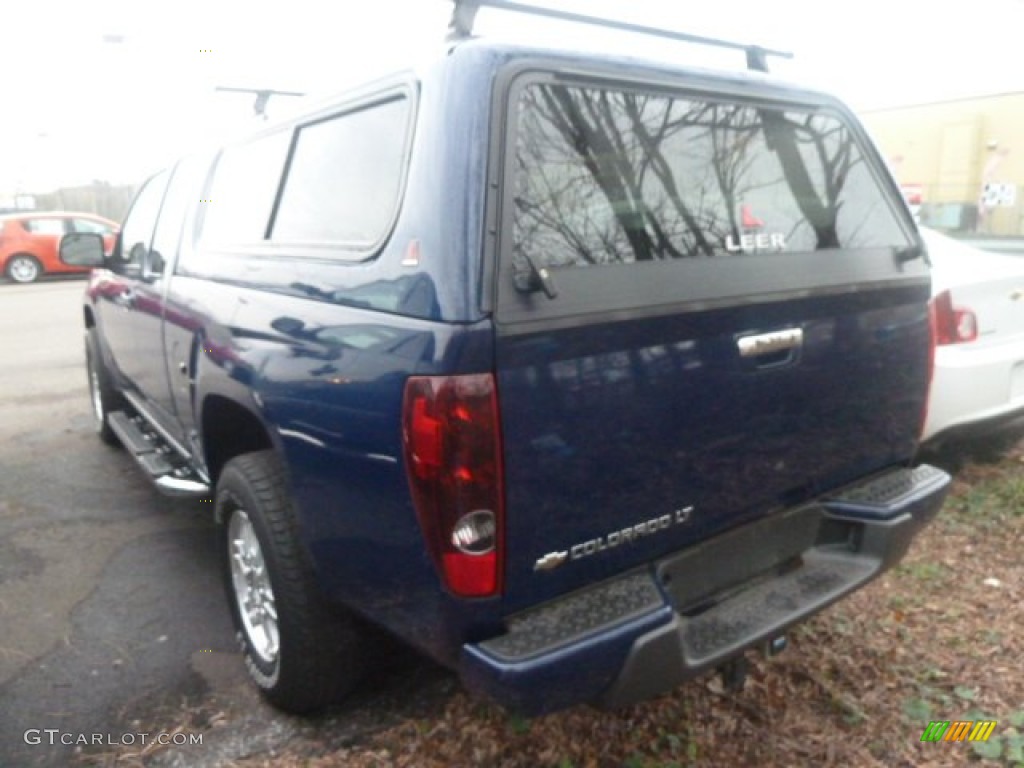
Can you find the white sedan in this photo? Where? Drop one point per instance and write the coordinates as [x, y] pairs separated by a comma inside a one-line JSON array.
[[978, 320]]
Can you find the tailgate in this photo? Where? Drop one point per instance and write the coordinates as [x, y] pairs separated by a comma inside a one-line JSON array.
[[733, 320]]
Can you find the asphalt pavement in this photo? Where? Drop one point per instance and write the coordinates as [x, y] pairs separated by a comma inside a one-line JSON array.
[[113, 619], [106, 589]]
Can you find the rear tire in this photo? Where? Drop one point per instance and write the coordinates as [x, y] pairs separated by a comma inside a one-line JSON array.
[[24, 268], [301, 655], [104, 397]]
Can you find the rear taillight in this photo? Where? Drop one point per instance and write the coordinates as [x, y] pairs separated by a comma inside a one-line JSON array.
[[452, 442], [952, 324], [949, 325]]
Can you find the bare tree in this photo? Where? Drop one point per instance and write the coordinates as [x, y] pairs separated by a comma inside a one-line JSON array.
[[612, 176]]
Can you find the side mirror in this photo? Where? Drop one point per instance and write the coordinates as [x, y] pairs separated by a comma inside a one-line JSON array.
[[82, 249], [153, 264]]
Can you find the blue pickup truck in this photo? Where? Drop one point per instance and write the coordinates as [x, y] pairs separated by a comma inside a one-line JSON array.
[[580, 373]]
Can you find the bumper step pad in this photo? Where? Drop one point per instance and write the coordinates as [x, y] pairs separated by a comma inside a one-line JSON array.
[[883, 496], [644, 632], [765, 607], [574, 617]]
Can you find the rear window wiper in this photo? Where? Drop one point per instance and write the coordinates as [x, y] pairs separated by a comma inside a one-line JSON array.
[[538, 278]]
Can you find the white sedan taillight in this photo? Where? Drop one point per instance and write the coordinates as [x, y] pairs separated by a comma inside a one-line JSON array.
[[952, 324]]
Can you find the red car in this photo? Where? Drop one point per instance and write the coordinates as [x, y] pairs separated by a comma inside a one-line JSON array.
[[29, 241]]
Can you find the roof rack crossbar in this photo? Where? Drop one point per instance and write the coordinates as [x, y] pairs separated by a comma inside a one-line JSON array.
[[464, 14], [263, 95]]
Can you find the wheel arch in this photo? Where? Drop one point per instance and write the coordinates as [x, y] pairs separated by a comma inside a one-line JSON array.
[[229, 429]]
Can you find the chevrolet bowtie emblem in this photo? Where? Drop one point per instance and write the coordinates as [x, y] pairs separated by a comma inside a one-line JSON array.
[[550, 561]]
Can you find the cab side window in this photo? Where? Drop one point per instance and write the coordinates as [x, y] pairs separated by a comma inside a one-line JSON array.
[[137, 233], [181, 198]]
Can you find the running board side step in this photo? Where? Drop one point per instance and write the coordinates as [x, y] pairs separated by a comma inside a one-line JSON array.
[[181, 487], [159, 461]]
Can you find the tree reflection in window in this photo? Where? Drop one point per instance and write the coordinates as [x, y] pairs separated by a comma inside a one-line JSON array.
[[608, 176]]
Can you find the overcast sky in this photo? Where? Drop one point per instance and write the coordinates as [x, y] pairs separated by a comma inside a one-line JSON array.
[[113, 89]]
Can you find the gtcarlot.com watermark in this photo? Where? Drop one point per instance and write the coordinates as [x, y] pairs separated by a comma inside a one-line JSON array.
[[55, 736]]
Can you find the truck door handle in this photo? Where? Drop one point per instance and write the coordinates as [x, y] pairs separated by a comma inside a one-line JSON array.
[[770, 343], [125, 298]]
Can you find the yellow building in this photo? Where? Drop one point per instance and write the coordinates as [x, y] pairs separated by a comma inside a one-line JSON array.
[[965, 158]]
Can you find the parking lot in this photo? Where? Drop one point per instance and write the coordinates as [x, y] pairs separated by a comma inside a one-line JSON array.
[[112, 613], [107, 590]]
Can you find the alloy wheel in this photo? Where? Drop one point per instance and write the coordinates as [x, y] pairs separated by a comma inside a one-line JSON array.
[[23, 269], [252, 591], [96, 396]]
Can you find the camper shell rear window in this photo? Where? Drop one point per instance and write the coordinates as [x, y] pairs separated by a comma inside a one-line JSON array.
[[621, 179]]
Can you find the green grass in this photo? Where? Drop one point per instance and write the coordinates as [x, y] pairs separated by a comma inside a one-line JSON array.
[[924, 571]]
